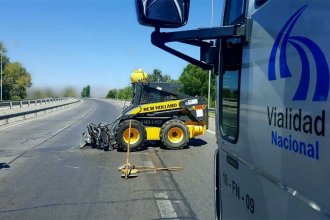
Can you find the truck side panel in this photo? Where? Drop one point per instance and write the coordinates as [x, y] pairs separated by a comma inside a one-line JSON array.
[[282, 146]]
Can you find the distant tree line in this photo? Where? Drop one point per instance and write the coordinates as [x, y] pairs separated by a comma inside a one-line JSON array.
[[157, 76], [38, 93], [15, 80], [123, 94], [193, 80]]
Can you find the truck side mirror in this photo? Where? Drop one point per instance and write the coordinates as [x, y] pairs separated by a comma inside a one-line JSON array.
[[174, 13], [162, 13]]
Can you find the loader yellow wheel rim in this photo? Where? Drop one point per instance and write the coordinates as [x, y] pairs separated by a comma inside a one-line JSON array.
[[135, 136], [175, 135]]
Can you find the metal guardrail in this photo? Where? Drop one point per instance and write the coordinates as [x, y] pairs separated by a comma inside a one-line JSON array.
[[19, 114], [28, 103]]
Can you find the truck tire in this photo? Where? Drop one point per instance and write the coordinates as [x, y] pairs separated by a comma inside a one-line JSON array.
[[138, 135], [174, 134]]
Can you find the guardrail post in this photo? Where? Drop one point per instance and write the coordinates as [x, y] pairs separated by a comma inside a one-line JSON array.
[[10, 105], [21, 104]]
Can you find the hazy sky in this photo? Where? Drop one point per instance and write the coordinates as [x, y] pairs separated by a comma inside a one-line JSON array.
[[96, 42]]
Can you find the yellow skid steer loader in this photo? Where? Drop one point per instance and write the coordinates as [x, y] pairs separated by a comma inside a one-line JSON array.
[[157, 113]]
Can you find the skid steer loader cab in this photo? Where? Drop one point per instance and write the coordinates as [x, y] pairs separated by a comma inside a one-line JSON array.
[[271, 58], [145, 92]]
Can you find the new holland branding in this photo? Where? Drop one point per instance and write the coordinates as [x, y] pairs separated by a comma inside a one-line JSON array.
[[160, 107], [286, 122]]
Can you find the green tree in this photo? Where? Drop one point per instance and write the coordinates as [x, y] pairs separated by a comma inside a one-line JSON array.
[[37, 94], [226, 93], [194, 81], [4, 58], [41, 93], [4, 62], [49, 93], [86, 91], [157, 76], [16, 80], [112, 94], [125, 93], [167, 78], [69, 92], [83, 92]]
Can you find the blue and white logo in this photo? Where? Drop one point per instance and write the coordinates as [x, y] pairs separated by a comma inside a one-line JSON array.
[[322, 70]]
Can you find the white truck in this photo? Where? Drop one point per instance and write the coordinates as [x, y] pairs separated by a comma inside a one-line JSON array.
[[271, 58]]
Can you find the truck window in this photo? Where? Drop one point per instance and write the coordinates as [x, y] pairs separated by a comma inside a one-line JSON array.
[[229, 103], [151, 95], [229, 80], [234, 12]]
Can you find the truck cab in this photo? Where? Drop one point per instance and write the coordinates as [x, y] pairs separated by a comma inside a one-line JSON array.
[[271, 60]]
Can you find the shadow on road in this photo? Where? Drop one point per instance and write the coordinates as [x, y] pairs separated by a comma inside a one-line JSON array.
[[196, 143]]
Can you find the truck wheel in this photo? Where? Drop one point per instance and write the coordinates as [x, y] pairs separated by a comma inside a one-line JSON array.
[[174, 134], [138, 135]]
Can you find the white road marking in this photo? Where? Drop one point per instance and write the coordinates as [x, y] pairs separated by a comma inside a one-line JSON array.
[[62, 129], [149, 164], [57, 158], [165, 206], [72, 167]]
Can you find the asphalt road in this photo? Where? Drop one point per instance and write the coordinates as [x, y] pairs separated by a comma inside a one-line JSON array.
[[49, 177]]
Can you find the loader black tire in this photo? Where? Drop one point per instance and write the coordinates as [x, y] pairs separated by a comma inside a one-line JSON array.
[[174, 134], [138, 135]]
